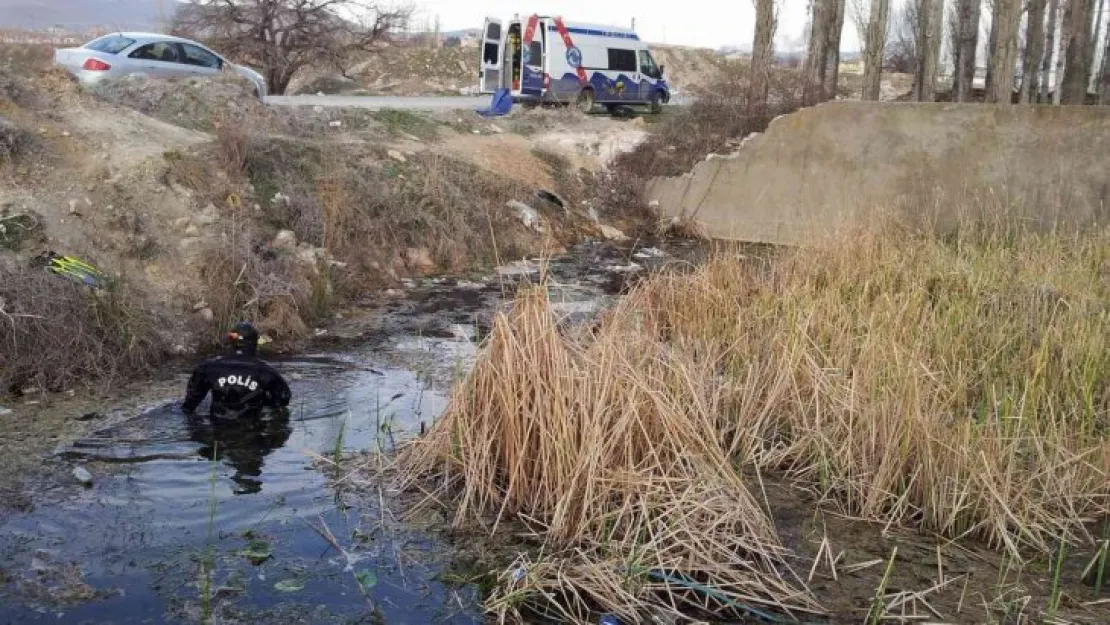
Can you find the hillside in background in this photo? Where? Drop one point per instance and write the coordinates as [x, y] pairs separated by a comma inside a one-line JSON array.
[[82, 15], [415, 70]]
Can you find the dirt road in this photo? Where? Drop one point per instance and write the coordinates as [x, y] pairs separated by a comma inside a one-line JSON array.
[[445, 103]]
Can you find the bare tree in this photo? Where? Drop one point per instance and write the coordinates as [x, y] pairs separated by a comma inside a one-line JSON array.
[[1003, 59], [1034, 50], [966, 48], [872, 29], [763, 49], [285, 36], [930, 28], [1051, 43], [814, 69], [832, 55], [903, 53], [1077, 19]]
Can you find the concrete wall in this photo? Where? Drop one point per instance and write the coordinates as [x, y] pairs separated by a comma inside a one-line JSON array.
[[844, 164]]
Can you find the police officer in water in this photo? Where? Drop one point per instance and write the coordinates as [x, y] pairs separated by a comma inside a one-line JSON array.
[[240, 383]]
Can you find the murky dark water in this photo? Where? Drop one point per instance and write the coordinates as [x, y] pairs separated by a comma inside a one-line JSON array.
[[185, 523]]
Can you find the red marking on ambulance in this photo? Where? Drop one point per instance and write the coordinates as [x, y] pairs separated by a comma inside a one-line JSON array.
[[559, 26], [530, 33]]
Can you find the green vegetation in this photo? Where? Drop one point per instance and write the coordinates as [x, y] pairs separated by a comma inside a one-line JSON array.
[[401, 122]]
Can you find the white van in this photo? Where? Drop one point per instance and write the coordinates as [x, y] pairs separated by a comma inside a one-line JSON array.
[[547, 59]]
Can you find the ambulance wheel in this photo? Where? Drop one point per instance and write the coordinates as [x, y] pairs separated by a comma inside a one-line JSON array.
[[585, 102], [655, 103]]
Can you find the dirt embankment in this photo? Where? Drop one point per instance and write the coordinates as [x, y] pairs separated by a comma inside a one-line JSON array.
[[420, 70]]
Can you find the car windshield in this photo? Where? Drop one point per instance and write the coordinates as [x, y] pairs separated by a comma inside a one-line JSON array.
[[110, 44]]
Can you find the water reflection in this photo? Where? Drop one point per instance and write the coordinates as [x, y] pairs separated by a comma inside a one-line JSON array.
[[242, 443]]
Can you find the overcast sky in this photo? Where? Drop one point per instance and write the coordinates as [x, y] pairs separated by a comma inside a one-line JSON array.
[[709, 23]]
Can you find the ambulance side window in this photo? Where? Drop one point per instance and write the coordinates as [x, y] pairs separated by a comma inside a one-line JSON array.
[[648, 66], [535, 54], [622, 60]]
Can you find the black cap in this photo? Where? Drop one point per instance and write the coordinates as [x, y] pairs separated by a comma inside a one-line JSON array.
[[243, 338]]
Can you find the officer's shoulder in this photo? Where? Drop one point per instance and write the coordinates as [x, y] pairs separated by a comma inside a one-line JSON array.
[[208, 362]]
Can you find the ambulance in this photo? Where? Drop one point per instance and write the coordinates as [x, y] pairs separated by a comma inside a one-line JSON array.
[[547, 59]]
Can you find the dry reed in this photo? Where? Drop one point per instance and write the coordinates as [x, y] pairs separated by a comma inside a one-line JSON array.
[[959, 387], [612, 451]]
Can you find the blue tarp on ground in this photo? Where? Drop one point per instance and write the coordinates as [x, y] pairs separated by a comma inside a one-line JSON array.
[[501, 104]]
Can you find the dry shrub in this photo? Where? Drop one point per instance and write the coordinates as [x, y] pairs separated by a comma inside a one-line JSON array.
[[612, 451], [366, 210], [245, 280], [232, 142], [14, 141], [56, 334], [26, 58], [955, 386], [714, 122], [15, 89]]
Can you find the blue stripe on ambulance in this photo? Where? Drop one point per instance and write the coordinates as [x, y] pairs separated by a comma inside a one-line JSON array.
[[596, 33]]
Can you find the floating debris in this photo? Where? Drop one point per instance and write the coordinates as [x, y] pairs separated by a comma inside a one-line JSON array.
[[82, 475]]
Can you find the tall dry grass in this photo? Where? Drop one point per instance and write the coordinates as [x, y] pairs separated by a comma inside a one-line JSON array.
[[959, 387], [611, 450], [956, 386]]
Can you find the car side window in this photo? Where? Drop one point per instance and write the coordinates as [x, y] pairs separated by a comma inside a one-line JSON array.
[[195, 55], [160, 51]]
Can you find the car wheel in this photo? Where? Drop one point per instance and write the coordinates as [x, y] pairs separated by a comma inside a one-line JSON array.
[[585, 102], [656, 103]]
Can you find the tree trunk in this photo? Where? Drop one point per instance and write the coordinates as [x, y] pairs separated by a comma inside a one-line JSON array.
[[762, 50], [967, 13], [1034, 49], [875, 47], [1004, 56], [936, 40], [1076, 72], [1104, 82], [813, 72], [832, 57], [992, 38], [930, 27], [1051, 43], [277, 79], [1062, 52]]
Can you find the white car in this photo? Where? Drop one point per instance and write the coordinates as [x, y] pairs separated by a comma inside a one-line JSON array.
[[147, 54]]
